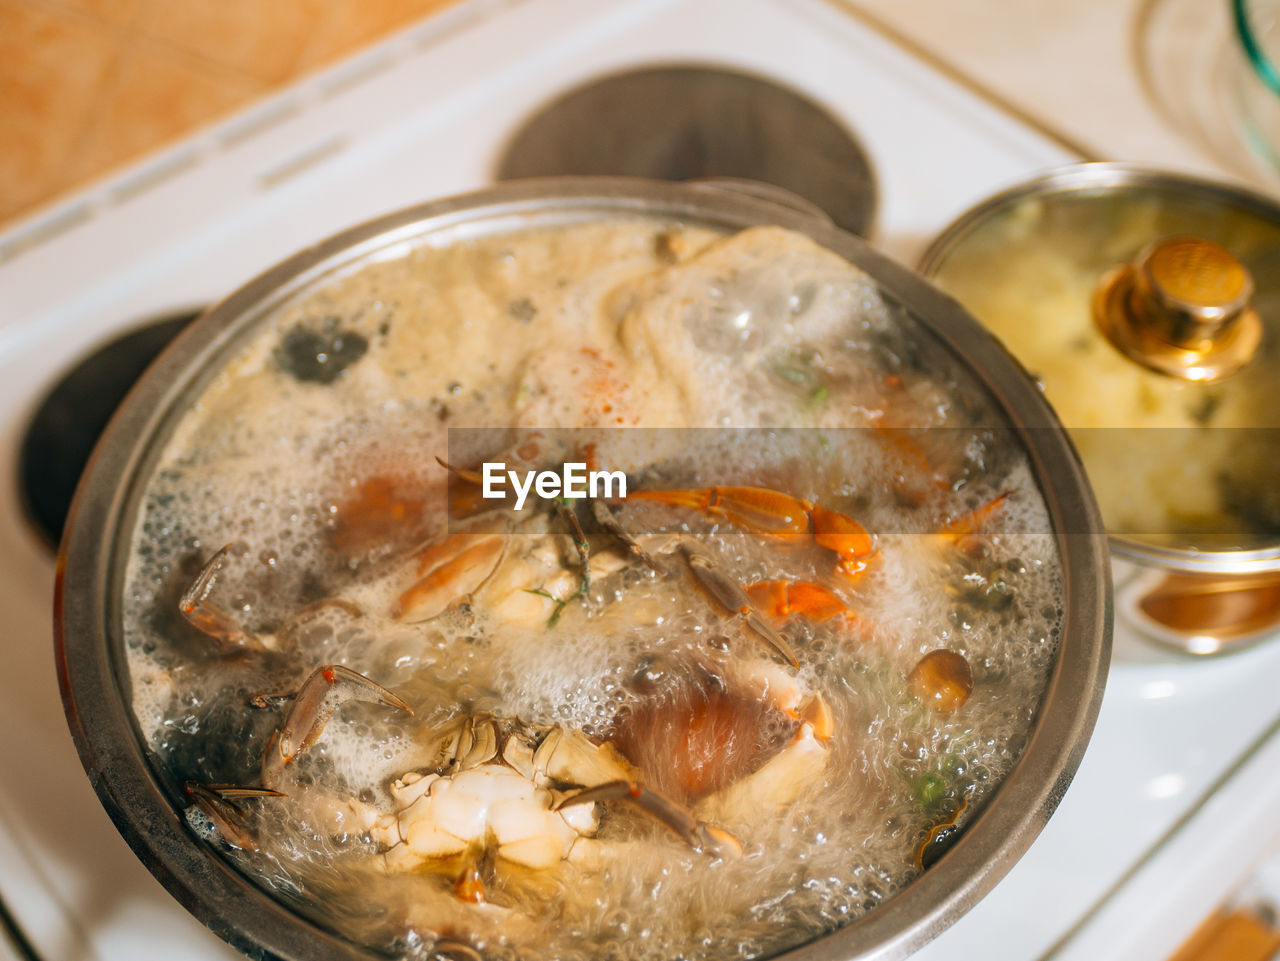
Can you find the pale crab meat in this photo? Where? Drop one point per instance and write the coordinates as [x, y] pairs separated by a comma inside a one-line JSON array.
[[498, 798], [527, 589], [489, 806], [568, 756]]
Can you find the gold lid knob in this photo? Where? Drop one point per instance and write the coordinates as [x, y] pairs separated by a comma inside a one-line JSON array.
[[1181, 308]]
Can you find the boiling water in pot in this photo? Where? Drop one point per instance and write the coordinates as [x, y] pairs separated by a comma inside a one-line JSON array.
[[755, 361]]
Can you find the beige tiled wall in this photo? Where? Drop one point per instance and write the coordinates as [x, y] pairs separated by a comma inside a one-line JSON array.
[[88, 85]]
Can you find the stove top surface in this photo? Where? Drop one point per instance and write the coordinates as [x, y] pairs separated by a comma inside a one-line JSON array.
[[1184, 750]]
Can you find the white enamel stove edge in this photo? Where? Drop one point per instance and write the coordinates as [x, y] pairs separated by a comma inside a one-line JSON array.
[[424, 115]]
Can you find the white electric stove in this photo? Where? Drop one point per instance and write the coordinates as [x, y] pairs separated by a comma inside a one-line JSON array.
[[1174, 803]]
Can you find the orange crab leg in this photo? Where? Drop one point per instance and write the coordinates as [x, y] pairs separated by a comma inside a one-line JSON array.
[[784, 598], [973, 521], [775, 514], [449, 569]]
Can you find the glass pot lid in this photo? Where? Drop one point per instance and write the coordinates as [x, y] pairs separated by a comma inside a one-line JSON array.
[[1147, 307]]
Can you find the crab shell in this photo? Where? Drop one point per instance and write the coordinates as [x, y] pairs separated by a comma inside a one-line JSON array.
[[497, 800], [490, 806], [500, 796], [519, 572]]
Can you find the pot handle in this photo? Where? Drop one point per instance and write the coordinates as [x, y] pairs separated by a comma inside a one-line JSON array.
[[1182, 308], [1202, 613]]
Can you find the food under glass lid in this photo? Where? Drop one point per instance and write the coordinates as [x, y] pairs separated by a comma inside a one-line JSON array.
[[1182, 452]]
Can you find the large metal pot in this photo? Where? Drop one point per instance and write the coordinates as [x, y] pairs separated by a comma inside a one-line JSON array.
[[93, 674], [1138, 295]]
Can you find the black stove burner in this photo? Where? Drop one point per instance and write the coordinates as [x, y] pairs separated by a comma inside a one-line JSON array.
[[690, 122], [67, 423]]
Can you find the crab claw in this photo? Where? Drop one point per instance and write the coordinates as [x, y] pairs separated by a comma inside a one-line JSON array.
[[774, 514], [782, 599], [207, 617], [323, 692], [217, 802], [701, 836], [638, 547], [449, 569], [756, 509], [785, 776], [849, 539]]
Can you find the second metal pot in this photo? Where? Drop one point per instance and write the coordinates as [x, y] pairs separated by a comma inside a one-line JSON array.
[[1147, 305]]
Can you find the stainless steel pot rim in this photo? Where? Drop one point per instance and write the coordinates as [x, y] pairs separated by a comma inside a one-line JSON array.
[[1105, 175], [1099, 175], [89, 646]]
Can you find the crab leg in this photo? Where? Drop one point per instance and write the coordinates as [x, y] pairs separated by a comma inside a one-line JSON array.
[[700, 835], [465, 499], [758, 509], [325, 689], [725, 594], [581, 546], [217, 802], [604, 517], [973, 521], [729, 596], [775, 514], [207, 617]]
